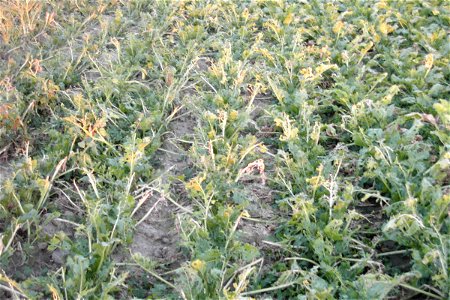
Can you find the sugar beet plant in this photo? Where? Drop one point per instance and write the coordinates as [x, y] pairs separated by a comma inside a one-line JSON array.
[[299, 148]]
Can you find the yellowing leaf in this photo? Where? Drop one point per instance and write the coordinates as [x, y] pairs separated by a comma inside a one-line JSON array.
[[288, 19], [338, 26], [233, 115], [429, 61], [198, 265], [385, 28], [194, 185]]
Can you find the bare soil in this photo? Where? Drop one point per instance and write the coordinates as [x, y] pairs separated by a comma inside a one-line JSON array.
[[157, 237]]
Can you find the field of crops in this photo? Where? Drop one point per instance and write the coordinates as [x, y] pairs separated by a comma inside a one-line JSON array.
[[224, 149]]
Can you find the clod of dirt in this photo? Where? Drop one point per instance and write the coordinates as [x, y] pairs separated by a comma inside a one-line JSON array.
[[37, 260], [34, 262], [5, 171], [255, 232], [174, 160], [203, 64], [157, 237], [51, 229]]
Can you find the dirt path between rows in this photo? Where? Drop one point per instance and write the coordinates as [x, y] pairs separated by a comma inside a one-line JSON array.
[[157, 237]]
